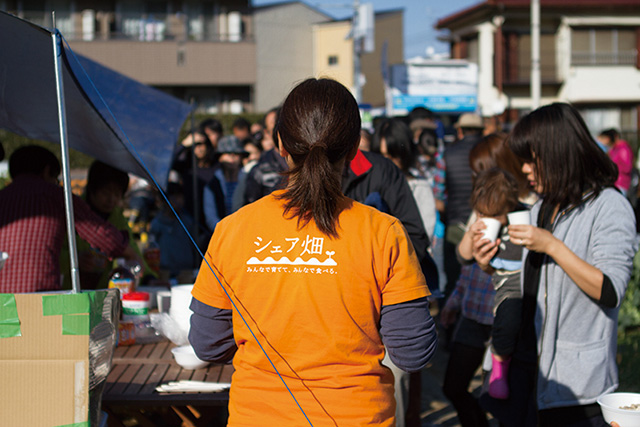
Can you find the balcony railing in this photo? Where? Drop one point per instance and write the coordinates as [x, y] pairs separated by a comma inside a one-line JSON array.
[[604, 58], [97, 25]]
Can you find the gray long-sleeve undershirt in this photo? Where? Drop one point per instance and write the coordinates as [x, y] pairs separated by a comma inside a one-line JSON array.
[[407, 330]]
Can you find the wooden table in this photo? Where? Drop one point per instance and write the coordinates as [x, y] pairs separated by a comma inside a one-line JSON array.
[[138, 369]]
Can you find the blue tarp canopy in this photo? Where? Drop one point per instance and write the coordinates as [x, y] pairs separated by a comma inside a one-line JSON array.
[[150, 119]]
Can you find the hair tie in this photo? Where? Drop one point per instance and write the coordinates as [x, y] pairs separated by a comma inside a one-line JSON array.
[[318, 146]]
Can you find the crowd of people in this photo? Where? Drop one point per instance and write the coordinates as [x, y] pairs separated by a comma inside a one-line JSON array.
[[327, 246]]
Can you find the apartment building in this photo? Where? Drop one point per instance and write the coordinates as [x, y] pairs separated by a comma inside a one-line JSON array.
[[296, 41], [203, 51], [588, 57], [225, 55], [285, 53], [334, 53]]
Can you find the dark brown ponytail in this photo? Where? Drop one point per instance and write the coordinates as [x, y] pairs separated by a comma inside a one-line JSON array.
[[318, 125]]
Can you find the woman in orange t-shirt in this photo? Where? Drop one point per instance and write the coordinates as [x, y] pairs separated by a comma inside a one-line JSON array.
[[305, 287]]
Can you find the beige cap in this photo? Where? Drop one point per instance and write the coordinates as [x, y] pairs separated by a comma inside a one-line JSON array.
[[470, 121]]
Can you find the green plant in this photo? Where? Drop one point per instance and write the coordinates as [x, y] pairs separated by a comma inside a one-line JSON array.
[[629, 333], [629, 316], [11, 142], [628, 371], [4, 180]]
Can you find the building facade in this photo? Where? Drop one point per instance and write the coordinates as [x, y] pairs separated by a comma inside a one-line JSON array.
[[203, 51], [334, 53], [588, 57], [224, 55], [285, 54], [295, 41]]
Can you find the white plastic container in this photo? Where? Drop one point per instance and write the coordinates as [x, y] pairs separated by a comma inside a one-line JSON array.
[[135, 307], [611, 403], [186, 357]]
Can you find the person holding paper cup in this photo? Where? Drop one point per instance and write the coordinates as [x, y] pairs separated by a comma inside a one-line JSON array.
[[494, 196], [577, 263], [474, 294]]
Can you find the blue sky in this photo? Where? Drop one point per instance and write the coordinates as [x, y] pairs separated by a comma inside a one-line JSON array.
[[419, 18]]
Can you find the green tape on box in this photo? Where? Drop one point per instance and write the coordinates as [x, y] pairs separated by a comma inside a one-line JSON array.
[[73, 324], [83, 424], [65, 304], [9, 321]]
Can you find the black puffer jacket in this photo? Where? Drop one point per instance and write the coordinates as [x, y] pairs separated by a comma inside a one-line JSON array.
[[458, 180], [370, 173], [265, 177]]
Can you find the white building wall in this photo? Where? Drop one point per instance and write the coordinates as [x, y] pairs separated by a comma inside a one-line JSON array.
[[563, 51], [486, 90], [593, 84], [602, 84]]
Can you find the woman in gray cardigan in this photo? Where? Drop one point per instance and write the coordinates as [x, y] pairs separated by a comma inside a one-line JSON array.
[[577, 262]]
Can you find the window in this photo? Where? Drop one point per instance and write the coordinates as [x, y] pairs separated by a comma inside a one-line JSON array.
[[35, 11], [517, 58], [603, 46], [333, 60], [623, 118], [473, 50], [156, 7], [547, 57]]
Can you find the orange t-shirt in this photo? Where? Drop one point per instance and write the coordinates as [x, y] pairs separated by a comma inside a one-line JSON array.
[[314, 305]]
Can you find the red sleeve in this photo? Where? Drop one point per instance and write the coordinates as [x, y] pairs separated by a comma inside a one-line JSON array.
[[99, 233]]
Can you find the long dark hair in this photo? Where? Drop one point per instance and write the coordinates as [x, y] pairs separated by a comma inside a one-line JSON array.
[[568, 161], [399, 140], [318, 125]]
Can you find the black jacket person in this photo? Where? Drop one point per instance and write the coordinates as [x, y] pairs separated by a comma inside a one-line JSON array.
[[371, 173]]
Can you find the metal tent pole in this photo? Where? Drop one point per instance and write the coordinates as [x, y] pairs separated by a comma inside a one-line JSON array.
[[194, 181], [66, 175]]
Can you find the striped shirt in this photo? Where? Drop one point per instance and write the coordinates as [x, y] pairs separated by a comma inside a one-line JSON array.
[[439, 178]]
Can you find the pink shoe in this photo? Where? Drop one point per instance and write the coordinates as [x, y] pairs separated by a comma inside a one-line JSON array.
[[498, 384]]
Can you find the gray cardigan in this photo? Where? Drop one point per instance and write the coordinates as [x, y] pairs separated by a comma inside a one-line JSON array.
[[577, 337]]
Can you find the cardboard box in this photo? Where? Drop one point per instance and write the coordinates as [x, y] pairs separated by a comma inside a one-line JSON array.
[[55, 354]]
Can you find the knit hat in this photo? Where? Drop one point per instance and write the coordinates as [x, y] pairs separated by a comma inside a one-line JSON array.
[[230, 144]]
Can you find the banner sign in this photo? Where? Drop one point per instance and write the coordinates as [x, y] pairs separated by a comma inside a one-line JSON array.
[[441, 86]]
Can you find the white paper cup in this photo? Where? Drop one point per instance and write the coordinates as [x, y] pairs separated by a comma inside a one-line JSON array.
[[493, 228], [164, 301], [519, 217], [179, 309]]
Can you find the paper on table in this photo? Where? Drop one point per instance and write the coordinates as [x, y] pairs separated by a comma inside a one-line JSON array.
[[194, 386]]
